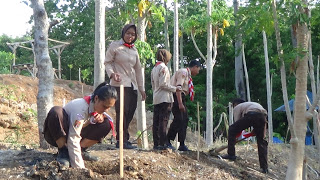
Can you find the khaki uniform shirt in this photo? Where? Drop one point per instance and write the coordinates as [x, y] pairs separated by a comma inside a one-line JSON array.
[[160, 81], [181, 78], [120, 59], [241, 109], [78, 111]]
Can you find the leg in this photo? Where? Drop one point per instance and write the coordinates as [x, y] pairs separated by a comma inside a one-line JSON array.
[[55, 127], [164, 114], [260, 131], [184, 123], [177, 120], [234, 129], [155, 127], [92, 134], [132, 99]]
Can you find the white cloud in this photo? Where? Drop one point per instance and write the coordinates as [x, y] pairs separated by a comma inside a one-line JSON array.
[[14, 17]]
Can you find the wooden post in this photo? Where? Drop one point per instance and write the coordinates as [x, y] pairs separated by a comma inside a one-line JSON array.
[[198, 148], [79, 74], [121, 132]]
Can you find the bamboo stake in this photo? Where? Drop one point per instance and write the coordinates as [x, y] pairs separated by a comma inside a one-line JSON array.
[[121, 132], [198, 148]]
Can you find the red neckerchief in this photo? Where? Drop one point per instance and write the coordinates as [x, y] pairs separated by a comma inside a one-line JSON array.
[[159, 62], [128, 45], [190, 85], [87, 99]]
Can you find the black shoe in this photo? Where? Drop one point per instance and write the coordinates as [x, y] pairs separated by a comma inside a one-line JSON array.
[[126, 145], [169, 146], [264, 170], [86, 155], [63, 158], [232, 158], [183, 148], [160, 148]]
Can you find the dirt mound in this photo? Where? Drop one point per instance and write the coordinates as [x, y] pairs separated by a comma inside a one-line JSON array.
[[20, 157]]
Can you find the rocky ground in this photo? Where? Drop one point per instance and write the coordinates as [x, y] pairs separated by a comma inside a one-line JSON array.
[[21, 158]]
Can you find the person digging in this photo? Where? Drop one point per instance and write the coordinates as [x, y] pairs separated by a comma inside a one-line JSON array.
[[247, 114]]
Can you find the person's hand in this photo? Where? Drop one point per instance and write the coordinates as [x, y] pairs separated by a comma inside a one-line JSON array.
[[182, 108], [116, 77], [178, 88], [143, 95], [99, 118]]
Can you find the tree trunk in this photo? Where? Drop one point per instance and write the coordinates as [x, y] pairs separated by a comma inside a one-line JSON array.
[[282, 69], [315, 91], [176, 38], [209, 99], [99, 45], [239, 82], [44, 64], [295, 164], [270, 126], [141, 107], [166, 34], [181, 49], [246, 74]]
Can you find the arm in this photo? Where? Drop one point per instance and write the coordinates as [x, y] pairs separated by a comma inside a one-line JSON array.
[[164, 80], [139, 76], [179, 98], [74, 138], [109, 63]]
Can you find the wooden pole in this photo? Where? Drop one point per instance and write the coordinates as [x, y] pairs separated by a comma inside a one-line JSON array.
[[79, 74], [198, 148], [121, 132]]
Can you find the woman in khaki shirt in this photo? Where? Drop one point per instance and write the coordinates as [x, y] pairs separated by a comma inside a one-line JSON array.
[[124, 68], [162, 98], [78, 125]]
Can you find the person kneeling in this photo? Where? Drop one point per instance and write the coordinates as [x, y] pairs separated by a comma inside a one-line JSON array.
[[78, 125]]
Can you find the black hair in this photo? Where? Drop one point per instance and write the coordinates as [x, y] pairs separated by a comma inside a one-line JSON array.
[[104, 91], [237, 101], [194, 63]]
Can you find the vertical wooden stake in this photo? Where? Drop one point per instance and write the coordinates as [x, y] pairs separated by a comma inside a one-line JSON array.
[[79, 74], [121, 132], [198, 148]]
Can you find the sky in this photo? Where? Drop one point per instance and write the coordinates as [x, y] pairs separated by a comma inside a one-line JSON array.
[[14, 16]]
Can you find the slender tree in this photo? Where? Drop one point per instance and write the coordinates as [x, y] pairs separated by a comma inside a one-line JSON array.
[[99, 45], [295, 164], [239, 82], [176, 38], [44, 65], [209, 117]]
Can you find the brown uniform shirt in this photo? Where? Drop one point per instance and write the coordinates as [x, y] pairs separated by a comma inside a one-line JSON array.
[[160, 81], [120, 59], [241, 109], [181, 78]]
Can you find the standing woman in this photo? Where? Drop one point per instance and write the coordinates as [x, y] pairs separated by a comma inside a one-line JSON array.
[[162, 98], [78, 125], [124, 68]]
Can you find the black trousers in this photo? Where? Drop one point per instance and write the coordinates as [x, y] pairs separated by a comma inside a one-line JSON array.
[[258, 121], [161, 114], [180, 121], [129, 107], [56, 125]]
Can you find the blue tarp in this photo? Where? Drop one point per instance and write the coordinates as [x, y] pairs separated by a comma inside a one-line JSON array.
[[291, 103], [277, 140]]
